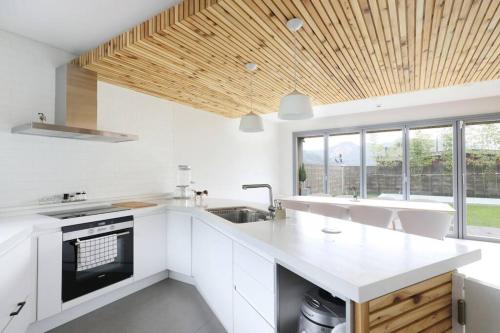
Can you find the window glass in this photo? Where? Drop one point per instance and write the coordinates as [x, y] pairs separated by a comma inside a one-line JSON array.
[[311, 168], [431, 164], [384, 164], [482, 164], [344, 164]]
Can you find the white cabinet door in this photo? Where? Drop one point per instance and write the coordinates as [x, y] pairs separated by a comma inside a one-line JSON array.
[[150, 236], [212, 270], [246, 319], [17, 287], [49, 275], [482, 302], [179, 243]]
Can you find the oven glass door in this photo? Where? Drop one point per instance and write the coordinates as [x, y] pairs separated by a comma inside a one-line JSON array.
[[78, 283]]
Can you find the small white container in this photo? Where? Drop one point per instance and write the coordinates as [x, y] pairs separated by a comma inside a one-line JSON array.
[[183, 175]]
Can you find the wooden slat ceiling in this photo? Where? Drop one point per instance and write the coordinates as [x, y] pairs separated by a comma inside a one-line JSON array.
[[194, 53]]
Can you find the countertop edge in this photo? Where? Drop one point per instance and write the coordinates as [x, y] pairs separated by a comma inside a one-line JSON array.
[[381, 288]]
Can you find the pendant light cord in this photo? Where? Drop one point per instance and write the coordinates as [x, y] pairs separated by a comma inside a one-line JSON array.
[[251, 92], [295, 61]]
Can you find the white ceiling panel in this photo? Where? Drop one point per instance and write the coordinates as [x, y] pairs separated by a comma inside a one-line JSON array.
[[76, 26]]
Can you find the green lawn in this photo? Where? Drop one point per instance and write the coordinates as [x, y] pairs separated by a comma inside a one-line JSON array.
[[483, 215], [477, 215]]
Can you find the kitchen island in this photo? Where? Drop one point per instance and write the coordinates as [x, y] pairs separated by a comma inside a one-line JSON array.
[[361, 264]]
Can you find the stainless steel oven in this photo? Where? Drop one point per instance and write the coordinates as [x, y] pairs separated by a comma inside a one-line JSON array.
[[96, 254]]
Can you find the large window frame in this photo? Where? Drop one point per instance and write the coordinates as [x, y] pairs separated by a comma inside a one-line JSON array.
[[459, 168]]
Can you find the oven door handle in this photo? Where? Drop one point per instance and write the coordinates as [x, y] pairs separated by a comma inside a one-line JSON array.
[[118, 229], [77, 242]]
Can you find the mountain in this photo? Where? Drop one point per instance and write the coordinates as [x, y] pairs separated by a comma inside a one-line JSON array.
[[350, 155]]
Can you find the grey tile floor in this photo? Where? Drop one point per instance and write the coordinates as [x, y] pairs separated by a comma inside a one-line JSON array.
[[166, 307]]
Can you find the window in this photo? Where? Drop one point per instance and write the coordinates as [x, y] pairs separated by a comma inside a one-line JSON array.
[[312, 157], [344, 164], [384, 164], [482, 185], [431, 164], [452, 161]]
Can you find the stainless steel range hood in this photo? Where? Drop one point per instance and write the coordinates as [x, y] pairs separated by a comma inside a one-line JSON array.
[[75, 110]]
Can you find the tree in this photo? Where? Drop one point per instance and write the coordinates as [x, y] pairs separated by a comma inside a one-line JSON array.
[[388, 155], [483, 148], [302, 173]]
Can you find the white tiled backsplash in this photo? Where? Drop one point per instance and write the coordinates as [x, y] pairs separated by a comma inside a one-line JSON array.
[[32, 167]]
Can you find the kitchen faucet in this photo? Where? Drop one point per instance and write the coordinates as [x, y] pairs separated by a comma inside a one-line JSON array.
[[271, 207]]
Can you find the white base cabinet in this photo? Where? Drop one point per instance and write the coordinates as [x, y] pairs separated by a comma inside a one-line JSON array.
[[17, 287], [150, 236], [179, 243], [237, 283], [246, 319], [213, 270], [254, 280], [49, 275]]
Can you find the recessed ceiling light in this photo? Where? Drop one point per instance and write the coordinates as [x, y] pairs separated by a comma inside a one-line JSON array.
[[294, 24], [251, 66]]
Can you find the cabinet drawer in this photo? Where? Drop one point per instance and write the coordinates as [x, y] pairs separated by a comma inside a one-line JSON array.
[[259, 297], [256, 266], [246, 319], [16, 280], [20, 322]]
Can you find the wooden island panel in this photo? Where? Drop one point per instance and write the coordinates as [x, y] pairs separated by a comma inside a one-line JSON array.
[[422, 307]]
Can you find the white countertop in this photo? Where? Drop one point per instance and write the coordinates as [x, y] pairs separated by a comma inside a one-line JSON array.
[[360, 263], [390, 204], [486, 270]]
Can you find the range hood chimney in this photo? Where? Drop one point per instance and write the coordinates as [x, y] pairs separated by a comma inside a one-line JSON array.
[[75, 109]]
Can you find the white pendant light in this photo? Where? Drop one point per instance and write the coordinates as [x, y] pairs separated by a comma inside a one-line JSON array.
[[251, 122], [295, 106]]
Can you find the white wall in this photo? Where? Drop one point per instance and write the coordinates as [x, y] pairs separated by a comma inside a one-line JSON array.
[[433, 111], [222, 157], [32, 167]]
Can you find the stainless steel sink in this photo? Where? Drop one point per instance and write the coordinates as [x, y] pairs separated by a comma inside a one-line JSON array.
[[241, 214]]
